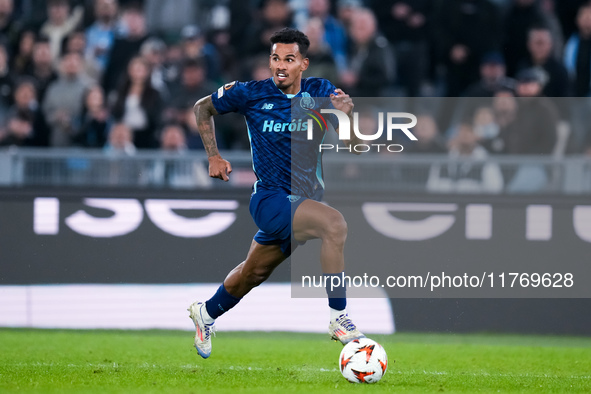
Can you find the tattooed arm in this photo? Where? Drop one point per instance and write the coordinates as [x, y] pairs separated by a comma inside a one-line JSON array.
[[204, 112]]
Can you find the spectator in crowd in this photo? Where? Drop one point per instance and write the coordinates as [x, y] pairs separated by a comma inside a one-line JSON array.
[[334, 33], [178, 174], [25, 96], [6, 81], [241, 17], [119, 146], [577, 53], [171, 172], [536, 120], [429, 140], [553, 24], [567, 10], [493, 77], [371, 61], [522, 16], [25, 102], [345, 11], [31, 12], [195, 46], [322, 64], [485, 127], [59, 24], [42, 70], [534, 132], [94, 120], [153, 50], [554, 75], [273, 15], [172, 138], [406, 24], [76, 42], [467, 29], [577, 59], [101, 34], [9, 25], [138, 104], [504, 108], [22, 58], [120, 140], [259, 70], [467, 171], [164, 17], [193, 85], [63, 102], [173, 59], [220, 40], [19, 131], [126, 46]]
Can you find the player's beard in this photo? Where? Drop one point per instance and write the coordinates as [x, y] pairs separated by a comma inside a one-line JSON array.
[[283, 84]]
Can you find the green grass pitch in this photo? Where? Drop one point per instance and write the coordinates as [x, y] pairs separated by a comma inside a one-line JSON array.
[[61, 361]]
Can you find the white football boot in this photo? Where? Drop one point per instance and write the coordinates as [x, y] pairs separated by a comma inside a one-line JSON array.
[[342, 329], [203, 332]]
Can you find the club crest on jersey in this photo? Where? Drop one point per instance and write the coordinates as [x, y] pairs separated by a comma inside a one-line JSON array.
[[293, 198], [307, 102]]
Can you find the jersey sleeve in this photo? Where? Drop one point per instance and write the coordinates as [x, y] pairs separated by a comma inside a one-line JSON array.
[[325, 90], [230, 97], [328, 88]]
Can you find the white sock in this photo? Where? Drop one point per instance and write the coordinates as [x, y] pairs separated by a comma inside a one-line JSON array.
[[335, 313], [206, 318]]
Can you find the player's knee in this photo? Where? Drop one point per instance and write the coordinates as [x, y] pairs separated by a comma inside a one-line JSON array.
[[336, 228], [258, 275]]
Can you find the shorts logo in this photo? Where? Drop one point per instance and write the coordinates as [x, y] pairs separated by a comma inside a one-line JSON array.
[[307, 102], [293, 198]]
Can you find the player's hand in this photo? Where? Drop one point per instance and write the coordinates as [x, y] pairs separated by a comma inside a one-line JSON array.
[[219, 168], [342, 101]]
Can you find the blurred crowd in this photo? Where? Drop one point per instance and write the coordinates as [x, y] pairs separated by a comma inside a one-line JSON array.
[[123, 75]]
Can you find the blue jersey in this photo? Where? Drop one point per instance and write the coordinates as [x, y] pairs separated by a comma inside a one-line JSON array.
[[282, 155]]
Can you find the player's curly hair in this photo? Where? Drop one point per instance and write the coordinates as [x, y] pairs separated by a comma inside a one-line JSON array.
[[291, 36]]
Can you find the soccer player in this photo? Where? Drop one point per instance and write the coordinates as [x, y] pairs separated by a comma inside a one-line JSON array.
[[284, 203]]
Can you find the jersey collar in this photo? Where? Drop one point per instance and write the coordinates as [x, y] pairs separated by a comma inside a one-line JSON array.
[[289, 96]]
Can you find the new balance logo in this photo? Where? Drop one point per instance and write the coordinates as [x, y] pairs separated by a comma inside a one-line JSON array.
[[267, 106]]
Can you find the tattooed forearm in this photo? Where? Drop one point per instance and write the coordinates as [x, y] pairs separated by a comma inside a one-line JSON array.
[[204, 112]]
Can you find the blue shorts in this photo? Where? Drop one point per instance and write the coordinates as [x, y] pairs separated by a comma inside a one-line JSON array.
[[272, 211]]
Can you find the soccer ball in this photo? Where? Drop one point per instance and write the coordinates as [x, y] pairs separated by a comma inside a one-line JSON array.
[[363, 361]]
